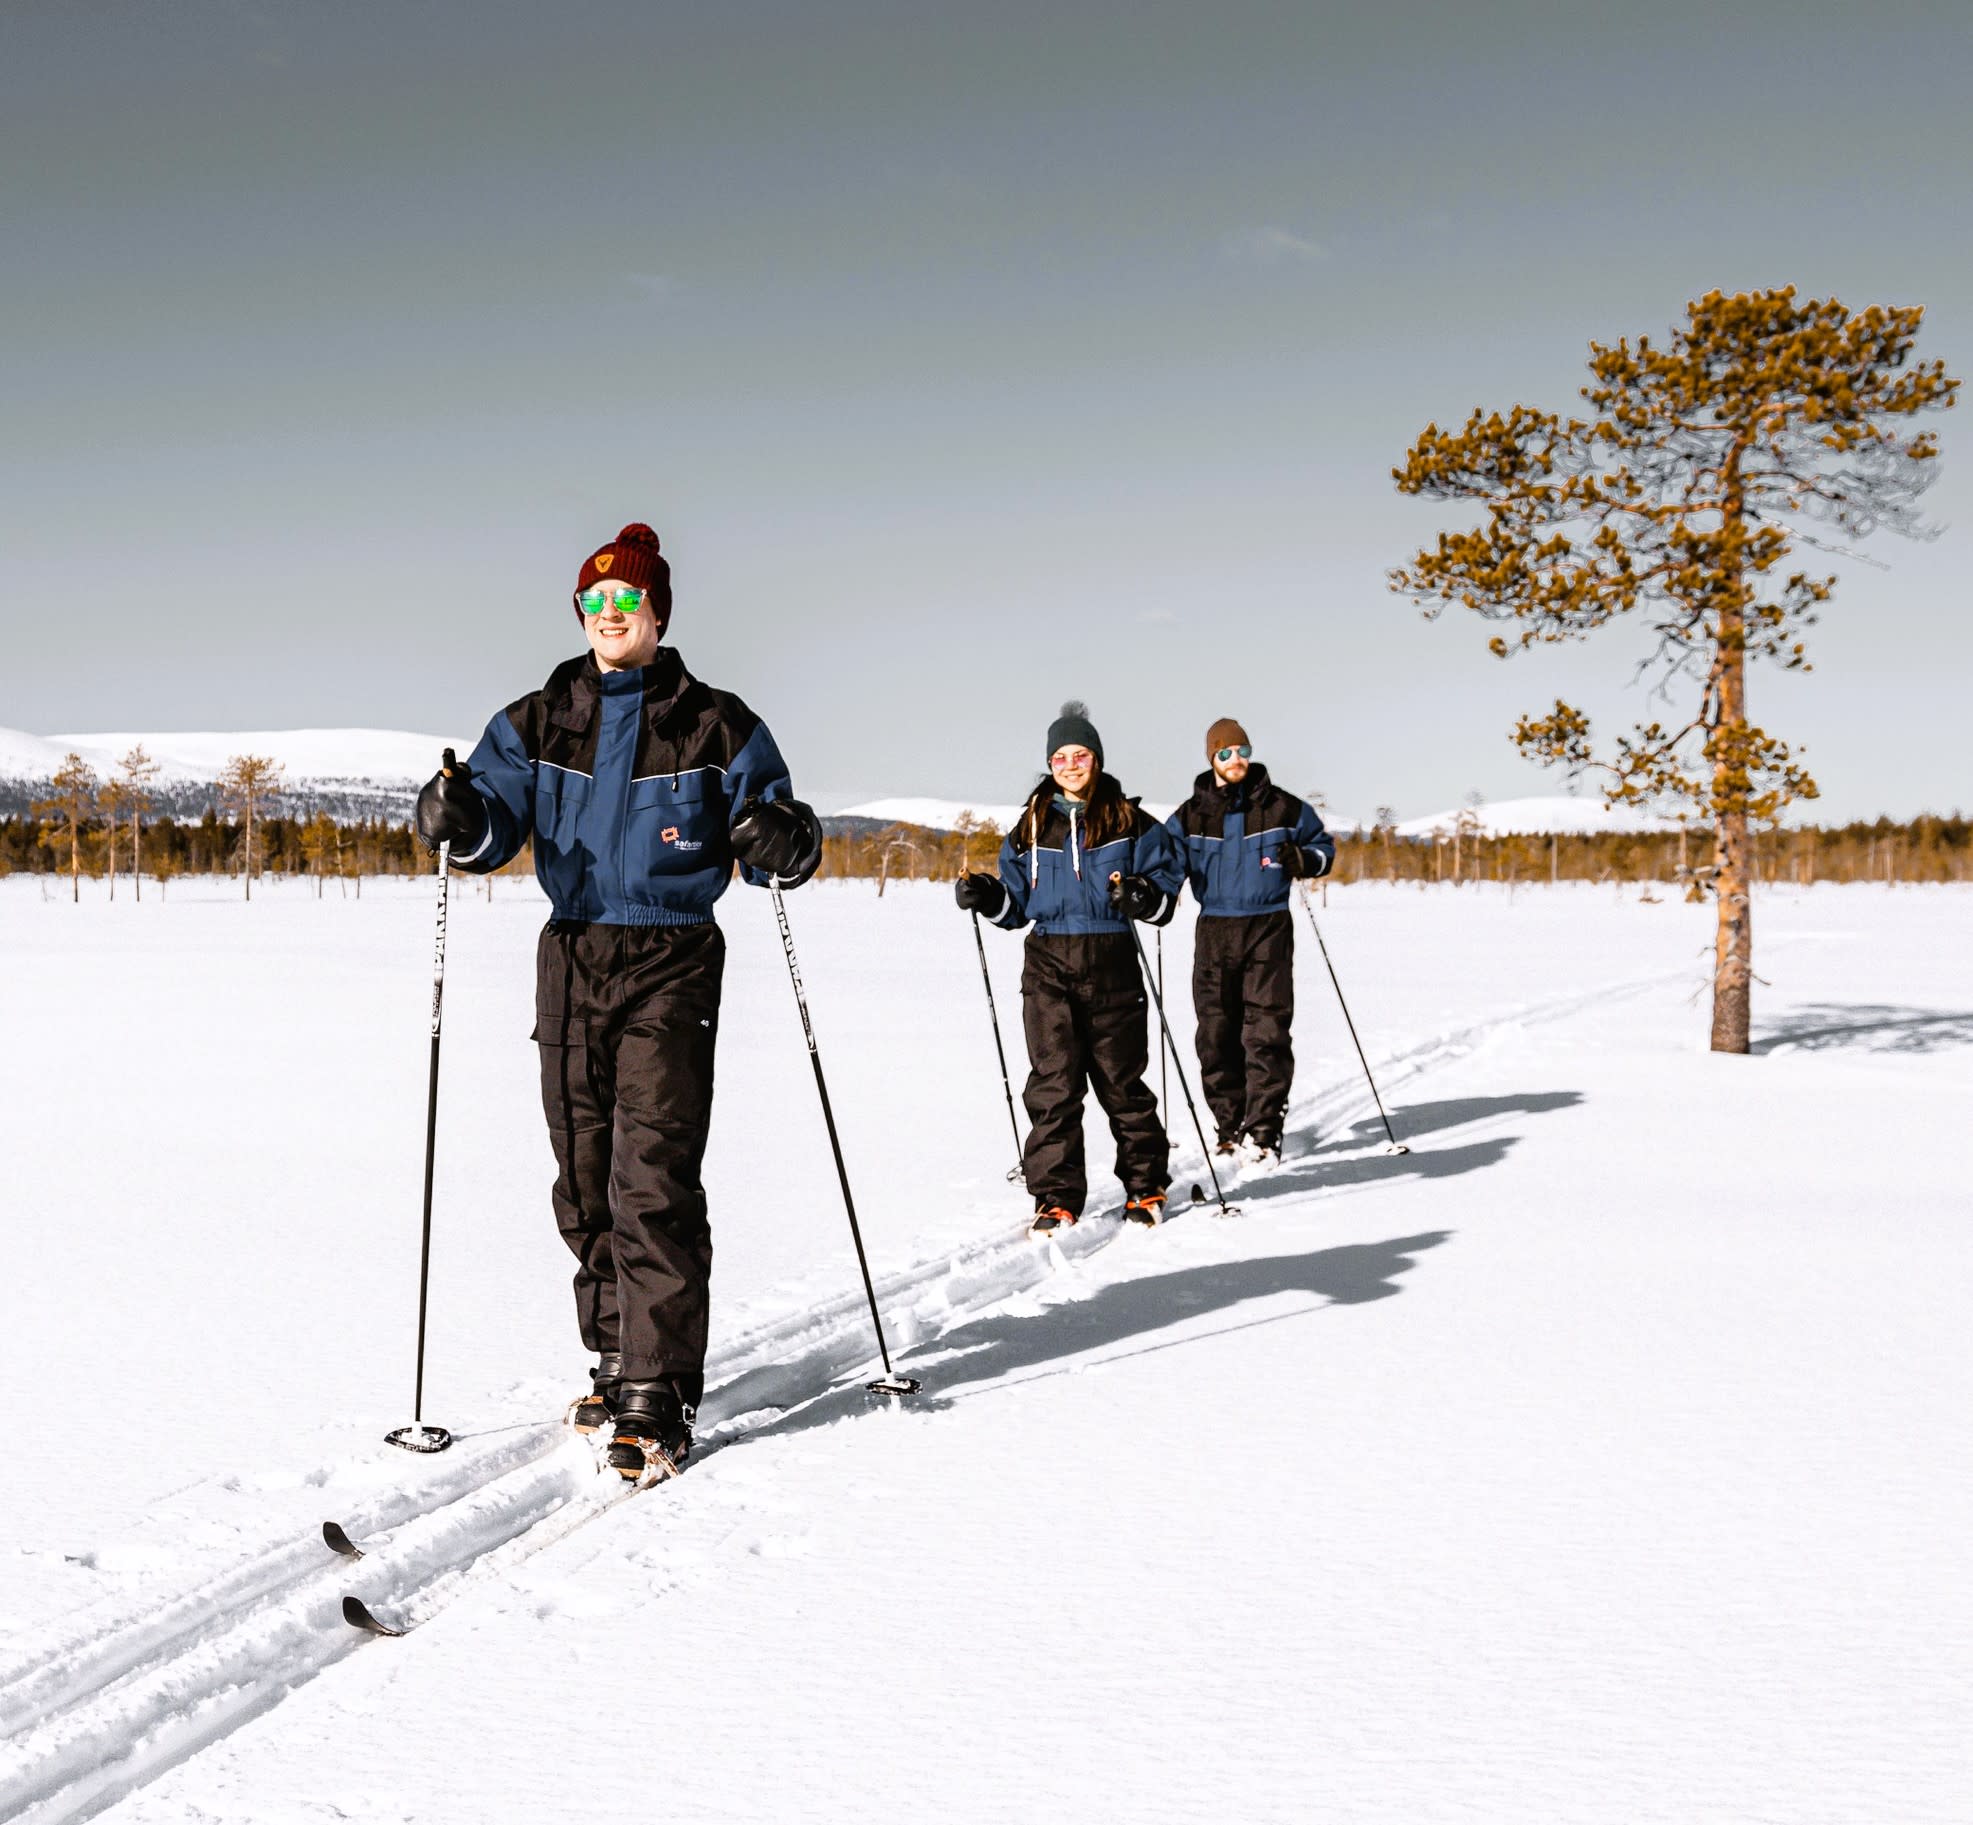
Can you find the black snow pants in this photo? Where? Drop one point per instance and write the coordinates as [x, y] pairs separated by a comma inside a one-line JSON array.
[[1243, 992], [626, 1017], [1083, 1009]]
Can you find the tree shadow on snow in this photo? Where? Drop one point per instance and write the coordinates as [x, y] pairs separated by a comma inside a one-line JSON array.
[[1871, 1027], [978, 1353], [1413, 1119]]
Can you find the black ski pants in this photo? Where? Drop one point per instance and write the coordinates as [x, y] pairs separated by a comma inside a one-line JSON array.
[[626, 1017], [1083, 1009], [1243, 994]]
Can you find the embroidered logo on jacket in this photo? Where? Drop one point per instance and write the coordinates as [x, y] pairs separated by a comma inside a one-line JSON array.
[[683, 844], [1268, 861]]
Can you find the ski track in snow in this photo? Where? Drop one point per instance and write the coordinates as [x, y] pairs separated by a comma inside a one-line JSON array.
[[135, 1685]]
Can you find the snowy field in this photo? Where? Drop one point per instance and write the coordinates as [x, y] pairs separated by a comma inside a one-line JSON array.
[[1604, 1459]]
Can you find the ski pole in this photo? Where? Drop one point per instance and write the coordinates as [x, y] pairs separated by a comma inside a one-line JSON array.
[[1158, 1001], [1018, 1174], [418, 1436], [1308, 906], [890, 1382], [1164, 1075]]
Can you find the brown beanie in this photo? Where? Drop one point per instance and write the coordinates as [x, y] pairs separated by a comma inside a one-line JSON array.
[[631, 557], [1226, 733]]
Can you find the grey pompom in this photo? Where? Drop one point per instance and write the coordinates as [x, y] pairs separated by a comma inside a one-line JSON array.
[[1076, 707]]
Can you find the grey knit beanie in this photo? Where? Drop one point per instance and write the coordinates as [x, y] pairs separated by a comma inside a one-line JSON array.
[[1073, 729]]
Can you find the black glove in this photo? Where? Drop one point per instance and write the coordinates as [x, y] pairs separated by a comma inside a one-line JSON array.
[[1298, 862], [1136, 896], [779, 837], [449, 810], [980, 893]]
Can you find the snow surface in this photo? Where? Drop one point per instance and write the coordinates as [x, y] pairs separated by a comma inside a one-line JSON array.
[[1603, 1459]]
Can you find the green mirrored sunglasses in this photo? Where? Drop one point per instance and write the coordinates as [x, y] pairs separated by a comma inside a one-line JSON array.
[[595, 601]]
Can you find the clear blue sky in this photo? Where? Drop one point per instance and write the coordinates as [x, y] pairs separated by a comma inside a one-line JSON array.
[[965, 358]]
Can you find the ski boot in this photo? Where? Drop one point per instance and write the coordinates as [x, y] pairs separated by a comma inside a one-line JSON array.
[[1147, 1208], [653, 1434], [594, 1410], [1048, 1218], [1260, 1152]]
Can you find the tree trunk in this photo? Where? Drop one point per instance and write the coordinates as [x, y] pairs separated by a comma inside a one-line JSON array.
[[75, 859], [137, 855], [1733, 945]]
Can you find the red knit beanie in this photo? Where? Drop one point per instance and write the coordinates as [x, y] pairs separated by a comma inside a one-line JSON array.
[[631, 557]]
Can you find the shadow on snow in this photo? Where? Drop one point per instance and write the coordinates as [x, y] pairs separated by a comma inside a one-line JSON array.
[[1872, 1027]]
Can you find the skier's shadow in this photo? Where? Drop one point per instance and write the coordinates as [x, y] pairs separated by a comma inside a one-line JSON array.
[[1312, 1172], [978, 1354], [1411, 1120]]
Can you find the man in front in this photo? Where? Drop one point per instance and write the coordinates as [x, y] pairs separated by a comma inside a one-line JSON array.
[[1245, 840], [640, 788]]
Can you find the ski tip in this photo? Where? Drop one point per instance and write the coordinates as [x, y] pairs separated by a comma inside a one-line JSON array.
[[894, 1387], [1198, 1194], [337, 1540], [358, 1615], [420, 1438]]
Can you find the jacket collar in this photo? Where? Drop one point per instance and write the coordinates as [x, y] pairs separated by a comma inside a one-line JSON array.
[[575, 687]]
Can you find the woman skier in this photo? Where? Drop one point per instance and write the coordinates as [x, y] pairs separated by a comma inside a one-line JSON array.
[[1080, 863]]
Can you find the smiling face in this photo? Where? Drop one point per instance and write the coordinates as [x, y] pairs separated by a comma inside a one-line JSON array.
[[1074, 769], [621, 641]]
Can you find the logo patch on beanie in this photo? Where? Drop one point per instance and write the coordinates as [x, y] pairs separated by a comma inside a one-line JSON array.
[[603, 560]]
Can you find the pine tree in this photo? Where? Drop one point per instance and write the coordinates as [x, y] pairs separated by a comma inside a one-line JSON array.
[[138, 770], [74, 797], [1703, 464], [247, 782]]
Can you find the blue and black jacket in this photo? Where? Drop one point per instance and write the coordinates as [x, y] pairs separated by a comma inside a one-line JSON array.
[[1057, 875], [628, 783], [1233, 836]]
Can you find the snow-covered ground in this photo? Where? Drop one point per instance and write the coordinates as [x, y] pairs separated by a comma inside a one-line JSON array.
[[1604, 1458]]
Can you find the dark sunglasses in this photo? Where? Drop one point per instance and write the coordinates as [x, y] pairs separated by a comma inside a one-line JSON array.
[[1226, 754]]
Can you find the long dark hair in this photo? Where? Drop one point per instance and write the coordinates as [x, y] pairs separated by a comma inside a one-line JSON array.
[[1107, 816]]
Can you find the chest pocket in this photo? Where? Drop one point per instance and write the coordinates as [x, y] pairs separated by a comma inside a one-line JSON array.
[[560, 798], [675, 828]]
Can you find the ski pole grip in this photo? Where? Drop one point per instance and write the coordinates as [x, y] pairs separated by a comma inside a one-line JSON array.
[[450, 764]]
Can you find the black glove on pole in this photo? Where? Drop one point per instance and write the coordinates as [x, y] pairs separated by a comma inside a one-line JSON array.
[[1308, 906], [1178, 1065], [449, 810], [1018, 1176], [418, 1436], [890, 1382]]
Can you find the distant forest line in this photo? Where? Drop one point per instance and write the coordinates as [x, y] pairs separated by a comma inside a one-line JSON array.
[[1924, 849]]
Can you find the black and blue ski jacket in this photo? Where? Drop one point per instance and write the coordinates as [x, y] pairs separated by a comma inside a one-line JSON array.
[[628, 783], [1233, 837], [1058, 881]]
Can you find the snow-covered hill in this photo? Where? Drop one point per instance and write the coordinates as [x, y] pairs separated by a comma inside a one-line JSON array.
[[348, 772], [1537, 817], [1508, 816]]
